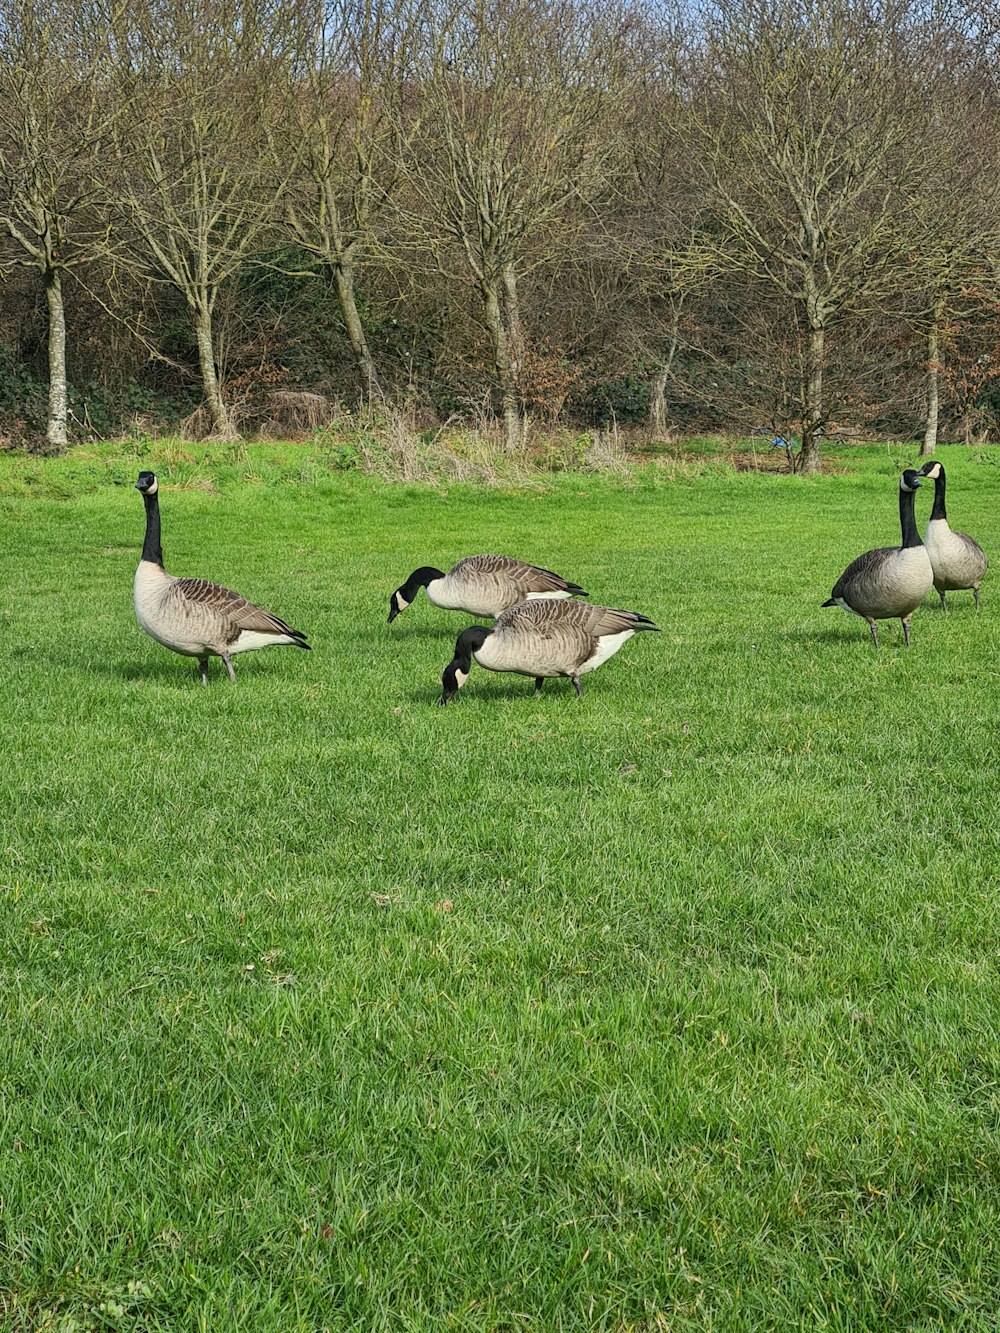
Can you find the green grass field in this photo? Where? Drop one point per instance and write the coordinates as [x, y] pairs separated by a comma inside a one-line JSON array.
[[327, 1008]]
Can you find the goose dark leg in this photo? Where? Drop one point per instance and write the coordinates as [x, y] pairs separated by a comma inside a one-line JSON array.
[[906, 630], [539, 682], [944, 604], [577, 686], [203, 670], [871, 626], [975, 594], [229, 665]]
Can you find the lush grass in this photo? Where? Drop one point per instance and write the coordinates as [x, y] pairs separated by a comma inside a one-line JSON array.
[[324, 1007]]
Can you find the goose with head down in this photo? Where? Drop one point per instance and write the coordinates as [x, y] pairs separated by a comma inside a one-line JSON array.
[[543, 639], [891, 581], [483, 585], [194, 617]]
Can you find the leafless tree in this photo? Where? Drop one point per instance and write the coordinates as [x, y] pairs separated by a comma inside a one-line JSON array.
[[812, 130], [190, 185], [951, 220], [512, 99], [347, 71], [53, 127], [663, 234]]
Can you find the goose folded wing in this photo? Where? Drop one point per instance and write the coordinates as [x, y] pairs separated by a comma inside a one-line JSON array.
[[241, 614], [526, 578], [600, 620], [579, 619], [531, 578]]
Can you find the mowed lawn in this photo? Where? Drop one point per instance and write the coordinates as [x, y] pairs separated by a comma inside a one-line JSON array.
[[323, 1007]]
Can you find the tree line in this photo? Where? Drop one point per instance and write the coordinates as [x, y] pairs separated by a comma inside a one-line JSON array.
[[774, 215]]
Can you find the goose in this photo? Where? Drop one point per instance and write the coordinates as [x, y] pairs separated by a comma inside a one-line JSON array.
[[958, 562], [542, 639], [482, 585], [893, 580], [192, 616]]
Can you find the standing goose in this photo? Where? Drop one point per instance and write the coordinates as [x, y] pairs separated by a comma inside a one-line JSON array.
[[482, 585], [893, 580], [192, 616], [543, 638], [958, 562]]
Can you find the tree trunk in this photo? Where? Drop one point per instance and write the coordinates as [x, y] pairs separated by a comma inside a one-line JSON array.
[[512, 433], [933, 380], [222, 426], [342, 273], [658, 385], [55, 431], [516, 343], [812, 416], [657, 401]]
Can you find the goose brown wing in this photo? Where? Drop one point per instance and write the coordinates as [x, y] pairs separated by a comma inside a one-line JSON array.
[[974, 552], [580, 623], [861, 574], [237, 610], [526, 578]]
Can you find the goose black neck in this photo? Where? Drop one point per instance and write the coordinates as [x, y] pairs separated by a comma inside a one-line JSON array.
[[938, 510], [420, 579], [151, 549], [911, 537], [468, 642]]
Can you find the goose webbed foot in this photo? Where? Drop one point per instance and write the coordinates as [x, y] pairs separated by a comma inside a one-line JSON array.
[[539, 682], [229, 665], [577, 686], [203, 670]]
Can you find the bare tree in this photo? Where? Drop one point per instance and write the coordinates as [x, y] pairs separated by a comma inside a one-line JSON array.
[[664, 236], [346, 73], [512, 100], [190, 186], [812, 116], [53, 126], [951, 221]]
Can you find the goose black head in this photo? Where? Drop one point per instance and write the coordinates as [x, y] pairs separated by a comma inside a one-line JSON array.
[[147, 483], [406, 592], [397, 603], [456, 673], [933, 469], [910, 480]]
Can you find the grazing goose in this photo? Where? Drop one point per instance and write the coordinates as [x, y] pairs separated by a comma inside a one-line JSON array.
[[192, 616], [958, 562], [893, 580], [482, 585], [543, 638]]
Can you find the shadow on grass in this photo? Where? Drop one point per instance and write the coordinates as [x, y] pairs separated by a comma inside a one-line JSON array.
[[403, 632], [848, 634], [182, 672], [502, 694]]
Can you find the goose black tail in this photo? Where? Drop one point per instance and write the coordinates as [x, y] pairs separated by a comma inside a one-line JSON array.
[[829, 602]]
